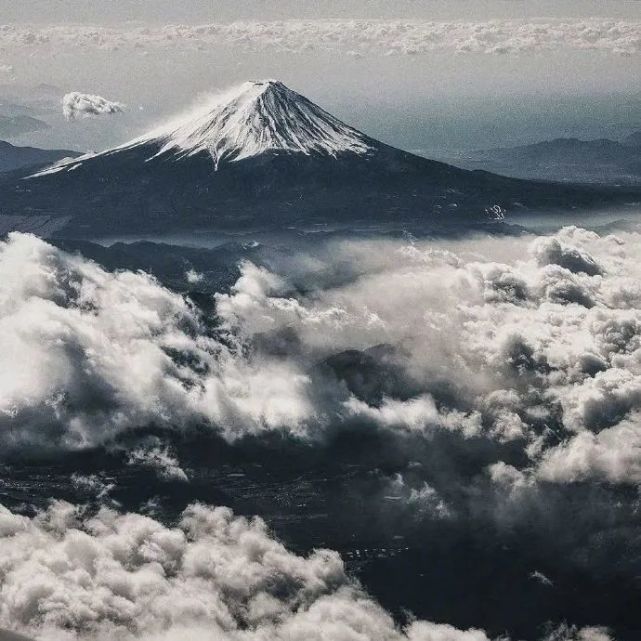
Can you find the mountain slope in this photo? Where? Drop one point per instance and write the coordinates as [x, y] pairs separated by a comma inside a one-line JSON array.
[[16, 125], [567, 159], [256, 118], [261, 117], [13, 157], [633, 140], [262, 155]]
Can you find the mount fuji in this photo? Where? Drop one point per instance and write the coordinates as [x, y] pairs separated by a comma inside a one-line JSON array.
[[264, 156]]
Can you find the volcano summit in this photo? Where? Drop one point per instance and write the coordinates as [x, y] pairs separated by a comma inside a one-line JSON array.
[[256, 118], [263, 156]]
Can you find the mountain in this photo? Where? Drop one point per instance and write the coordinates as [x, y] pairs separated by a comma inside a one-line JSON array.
[[565, 159], [12, 157], [259, 118], [213, 269], [263, 156], [633, 140], [17, 125]]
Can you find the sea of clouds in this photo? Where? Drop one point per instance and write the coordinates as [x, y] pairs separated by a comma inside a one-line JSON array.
[[67, 574], [555, 328], [536, 342], [508, 369], [348, 37]]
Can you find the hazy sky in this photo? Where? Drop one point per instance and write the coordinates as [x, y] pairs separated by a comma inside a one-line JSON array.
[[160, 11], [420, 73]]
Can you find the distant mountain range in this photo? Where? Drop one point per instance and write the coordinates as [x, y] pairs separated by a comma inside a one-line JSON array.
[[16, 125], [601, 161], [13, 157], [263, 156], [633, 140]]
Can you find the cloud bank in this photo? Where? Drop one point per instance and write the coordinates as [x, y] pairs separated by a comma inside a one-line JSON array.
[[83, 105], [537, 349], [87, 354], [348, 37], [66, 574], [491, 386]]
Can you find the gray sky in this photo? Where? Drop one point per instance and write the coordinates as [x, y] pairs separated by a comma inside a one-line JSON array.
[[421, 73], [192, 11]]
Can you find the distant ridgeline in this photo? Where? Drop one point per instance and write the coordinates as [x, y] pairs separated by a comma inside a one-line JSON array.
[[565, 159]]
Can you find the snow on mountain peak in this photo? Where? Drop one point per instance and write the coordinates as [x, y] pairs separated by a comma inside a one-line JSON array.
[[259, 117], [248, 120]]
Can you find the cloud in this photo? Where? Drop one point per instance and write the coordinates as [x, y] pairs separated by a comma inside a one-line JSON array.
[[83, 105], [572, 633], [612, 455], [66, 574], [541, 351], [193, 277], [413, 414], [424, 500], [492, 385], [537, 349], [92, 484], [87, 354], [353, 38], [542, 579], [551, 251], [158, 457], [4, 68]]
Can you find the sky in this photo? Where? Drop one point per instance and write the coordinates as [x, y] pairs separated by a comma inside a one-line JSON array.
[[160, 11], [426, 75]]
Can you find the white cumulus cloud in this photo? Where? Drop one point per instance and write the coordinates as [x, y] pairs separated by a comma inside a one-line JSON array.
[[68, 575], [83, 105], [538, 347]]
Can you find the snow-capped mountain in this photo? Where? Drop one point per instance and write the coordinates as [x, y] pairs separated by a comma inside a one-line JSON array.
[[255, 118], [261, 117], [262, 155]]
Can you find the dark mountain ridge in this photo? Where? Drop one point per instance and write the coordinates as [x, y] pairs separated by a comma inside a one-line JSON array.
[[13, 157], [564, 159]]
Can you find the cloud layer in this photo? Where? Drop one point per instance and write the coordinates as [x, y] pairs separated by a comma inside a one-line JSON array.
[[538, 349], [83, 105], [348, 37], [87, 354], [492, 385], [64, 575]]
